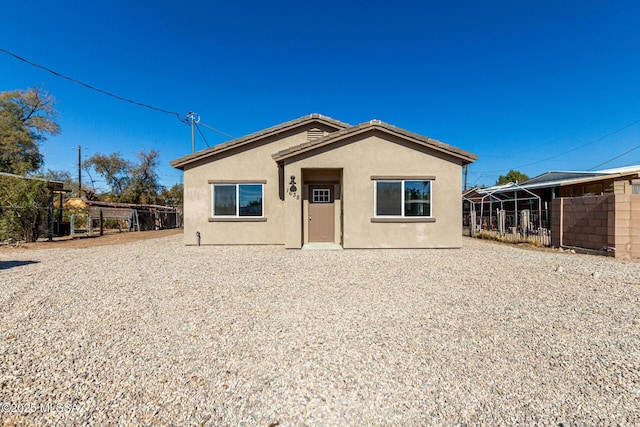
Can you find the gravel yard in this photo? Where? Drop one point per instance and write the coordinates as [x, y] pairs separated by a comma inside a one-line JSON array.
[[153, 332]]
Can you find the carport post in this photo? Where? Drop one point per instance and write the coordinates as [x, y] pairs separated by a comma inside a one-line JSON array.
[[472, 220], [490, 212], [101, 219], [515, 193], [59, 216], [539, 215], [50, 220]]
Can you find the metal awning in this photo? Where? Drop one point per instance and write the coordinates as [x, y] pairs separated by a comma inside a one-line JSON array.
[[500, 194]]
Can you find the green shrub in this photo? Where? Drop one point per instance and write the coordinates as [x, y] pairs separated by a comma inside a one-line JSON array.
[[24, 208]]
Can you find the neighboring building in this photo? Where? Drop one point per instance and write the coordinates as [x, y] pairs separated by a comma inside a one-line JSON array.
[[596, 210], [580, 183], [537, 194], [316, 179]]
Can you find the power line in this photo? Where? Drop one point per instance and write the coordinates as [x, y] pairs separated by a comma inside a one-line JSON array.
[[219, 131], [140, 104], [201, 134], [616, 157], [92, 87], [593, 141]]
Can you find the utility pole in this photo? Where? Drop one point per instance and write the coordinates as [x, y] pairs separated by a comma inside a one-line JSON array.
[[466, 175], [79, 171], [191, 116]]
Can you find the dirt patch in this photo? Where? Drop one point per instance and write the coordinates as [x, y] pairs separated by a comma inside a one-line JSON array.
[[78, 242]]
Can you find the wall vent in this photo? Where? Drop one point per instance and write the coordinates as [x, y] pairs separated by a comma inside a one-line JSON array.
[[315, 133]]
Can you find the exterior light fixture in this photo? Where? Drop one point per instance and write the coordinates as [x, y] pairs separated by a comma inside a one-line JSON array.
[[292, 184]]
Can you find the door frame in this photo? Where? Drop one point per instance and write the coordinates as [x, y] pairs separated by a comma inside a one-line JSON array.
[[332, 189], [322, 177]]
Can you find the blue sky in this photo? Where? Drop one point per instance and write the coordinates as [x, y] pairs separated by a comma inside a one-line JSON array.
[[518, 83]]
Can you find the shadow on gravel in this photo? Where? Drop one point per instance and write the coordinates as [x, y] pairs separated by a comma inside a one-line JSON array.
[[5, 265]]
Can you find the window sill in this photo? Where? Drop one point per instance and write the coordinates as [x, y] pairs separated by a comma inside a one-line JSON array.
[[239, 219], [403, 220]]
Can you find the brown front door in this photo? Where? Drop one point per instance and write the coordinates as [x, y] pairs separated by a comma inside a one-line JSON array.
[[321, 221]]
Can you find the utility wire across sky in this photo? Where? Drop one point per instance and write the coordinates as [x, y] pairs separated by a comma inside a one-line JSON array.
[[180, 117], [616, 157], [184, 118], [55, 73], [593, 141]]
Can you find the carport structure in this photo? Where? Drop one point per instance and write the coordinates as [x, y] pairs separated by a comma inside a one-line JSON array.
[[518, 210]]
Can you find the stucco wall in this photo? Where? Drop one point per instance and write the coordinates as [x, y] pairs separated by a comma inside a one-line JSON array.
[[377, 153], [357, 158], [252, 162]]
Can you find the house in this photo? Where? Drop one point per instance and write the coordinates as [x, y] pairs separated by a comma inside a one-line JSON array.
[[316, 179]]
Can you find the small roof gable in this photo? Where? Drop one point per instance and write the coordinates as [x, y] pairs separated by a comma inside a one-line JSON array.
[[334, 137], [181, 162]]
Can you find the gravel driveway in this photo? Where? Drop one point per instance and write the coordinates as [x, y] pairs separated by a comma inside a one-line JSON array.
[[154, 332]]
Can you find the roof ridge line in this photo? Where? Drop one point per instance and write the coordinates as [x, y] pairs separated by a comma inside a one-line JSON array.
[[198, 155], [434, 143]]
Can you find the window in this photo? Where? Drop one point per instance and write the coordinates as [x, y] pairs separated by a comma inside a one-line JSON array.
[[237, 200], [321, 195], [402, 198]]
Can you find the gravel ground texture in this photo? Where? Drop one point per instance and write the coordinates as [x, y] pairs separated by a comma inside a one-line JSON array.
[[156, 333]]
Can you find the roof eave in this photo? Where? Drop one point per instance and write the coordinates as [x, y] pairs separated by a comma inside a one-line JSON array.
[[181, 162], [465, 156], [567, 182]]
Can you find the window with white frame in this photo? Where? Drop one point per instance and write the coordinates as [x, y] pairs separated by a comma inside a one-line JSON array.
[[237, 200], [402, 198], [321, 195]]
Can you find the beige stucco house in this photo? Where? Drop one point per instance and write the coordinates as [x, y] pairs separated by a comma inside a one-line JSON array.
[[316, 179]]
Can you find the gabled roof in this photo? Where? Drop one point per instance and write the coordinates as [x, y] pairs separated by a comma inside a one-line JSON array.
[[181, 162], [340, 135]]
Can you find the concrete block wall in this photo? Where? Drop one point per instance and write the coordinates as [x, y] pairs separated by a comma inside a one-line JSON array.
[[610, 222], [627, 225]]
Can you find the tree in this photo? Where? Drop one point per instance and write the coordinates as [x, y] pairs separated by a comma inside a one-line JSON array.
[[512, 176], [90, 193], [26, 119], [61, 176], [144, 183], [129, 182], [23, 207], [114, 169], [173, 196]]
